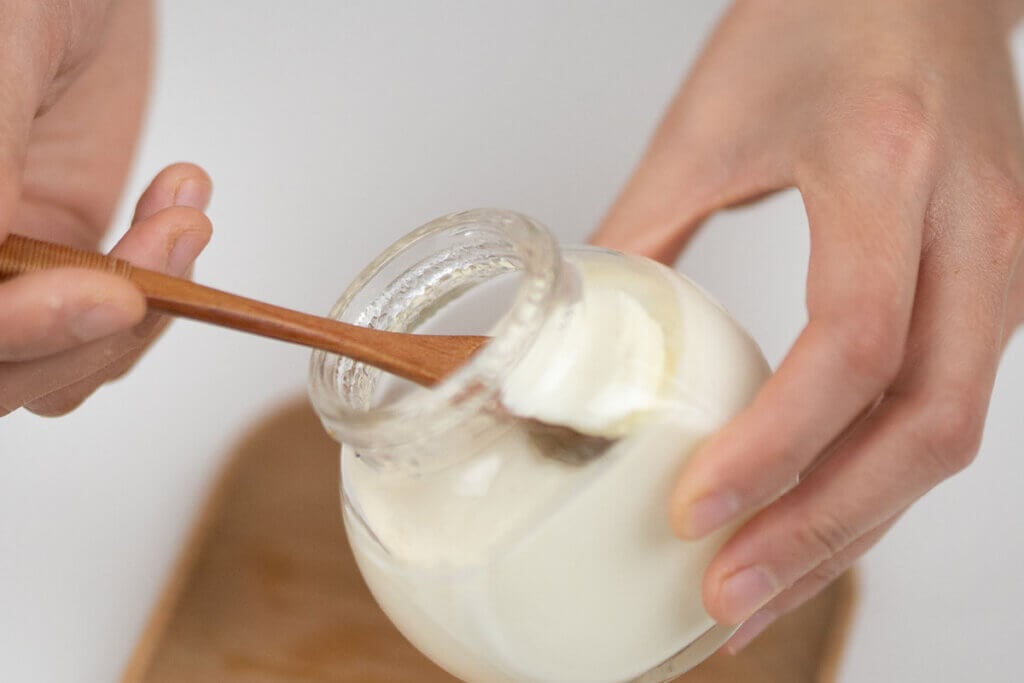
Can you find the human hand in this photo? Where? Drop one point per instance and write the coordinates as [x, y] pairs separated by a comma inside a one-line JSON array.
[[73, 79], [65, 332], [899, 125]]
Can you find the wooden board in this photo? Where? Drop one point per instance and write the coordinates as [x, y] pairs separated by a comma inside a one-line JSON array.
[[267, 591]]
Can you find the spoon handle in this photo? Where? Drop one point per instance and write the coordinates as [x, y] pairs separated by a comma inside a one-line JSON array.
[[424, 359]]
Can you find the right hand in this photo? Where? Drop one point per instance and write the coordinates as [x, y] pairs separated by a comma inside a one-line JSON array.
[[900, 124], [73, 82]]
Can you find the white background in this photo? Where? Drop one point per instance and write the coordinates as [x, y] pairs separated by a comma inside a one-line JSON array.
[[331, 129]]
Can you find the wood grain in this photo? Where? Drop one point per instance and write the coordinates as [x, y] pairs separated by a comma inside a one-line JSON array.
[[268, 592], [424, 359]]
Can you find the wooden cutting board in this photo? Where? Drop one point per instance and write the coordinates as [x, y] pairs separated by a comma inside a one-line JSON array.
[[266, 590]]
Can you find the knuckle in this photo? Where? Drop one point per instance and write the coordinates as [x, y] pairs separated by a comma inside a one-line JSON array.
[[825, 573], [870, 345], [825, 534], [893, 126], [950, 430], [1006, 231]]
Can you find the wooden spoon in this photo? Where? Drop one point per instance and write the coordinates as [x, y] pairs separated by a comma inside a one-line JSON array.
[[421, 358]]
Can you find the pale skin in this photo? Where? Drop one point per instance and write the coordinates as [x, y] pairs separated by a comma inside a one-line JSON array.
[[898, 123], [73, 84]]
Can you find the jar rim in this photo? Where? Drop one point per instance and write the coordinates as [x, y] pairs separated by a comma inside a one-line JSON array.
[[472, 387]]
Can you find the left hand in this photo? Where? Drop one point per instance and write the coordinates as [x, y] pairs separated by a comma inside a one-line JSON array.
[[899, 124], [73, 82]]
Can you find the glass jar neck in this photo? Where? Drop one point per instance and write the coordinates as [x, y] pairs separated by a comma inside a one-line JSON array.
[[402, 290]]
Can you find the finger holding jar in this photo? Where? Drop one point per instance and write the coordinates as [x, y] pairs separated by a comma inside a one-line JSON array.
[[926, 428]]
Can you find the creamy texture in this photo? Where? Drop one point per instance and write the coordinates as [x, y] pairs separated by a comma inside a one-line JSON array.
[[511, 566], [598, 366]]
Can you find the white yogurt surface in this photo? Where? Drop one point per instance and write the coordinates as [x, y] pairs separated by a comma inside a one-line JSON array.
[[598, 367]]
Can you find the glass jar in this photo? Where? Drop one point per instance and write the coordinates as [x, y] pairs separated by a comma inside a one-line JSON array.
[[502, 554]]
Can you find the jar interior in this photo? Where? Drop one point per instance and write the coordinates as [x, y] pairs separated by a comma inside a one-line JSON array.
[[477, 272], [474, 311]]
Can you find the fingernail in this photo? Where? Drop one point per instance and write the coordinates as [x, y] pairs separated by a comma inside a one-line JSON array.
[[751, 629], [745, 592], [192, 193], [709, 513], [100, 321], [185, 250]]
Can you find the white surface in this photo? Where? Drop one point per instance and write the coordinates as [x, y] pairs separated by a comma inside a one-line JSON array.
[[333, 128]]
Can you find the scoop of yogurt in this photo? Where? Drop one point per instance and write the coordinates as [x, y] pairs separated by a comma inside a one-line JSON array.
[[597, 366]]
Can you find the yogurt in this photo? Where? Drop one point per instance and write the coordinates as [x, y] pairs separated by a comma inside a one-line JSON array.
[[512, 566]]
